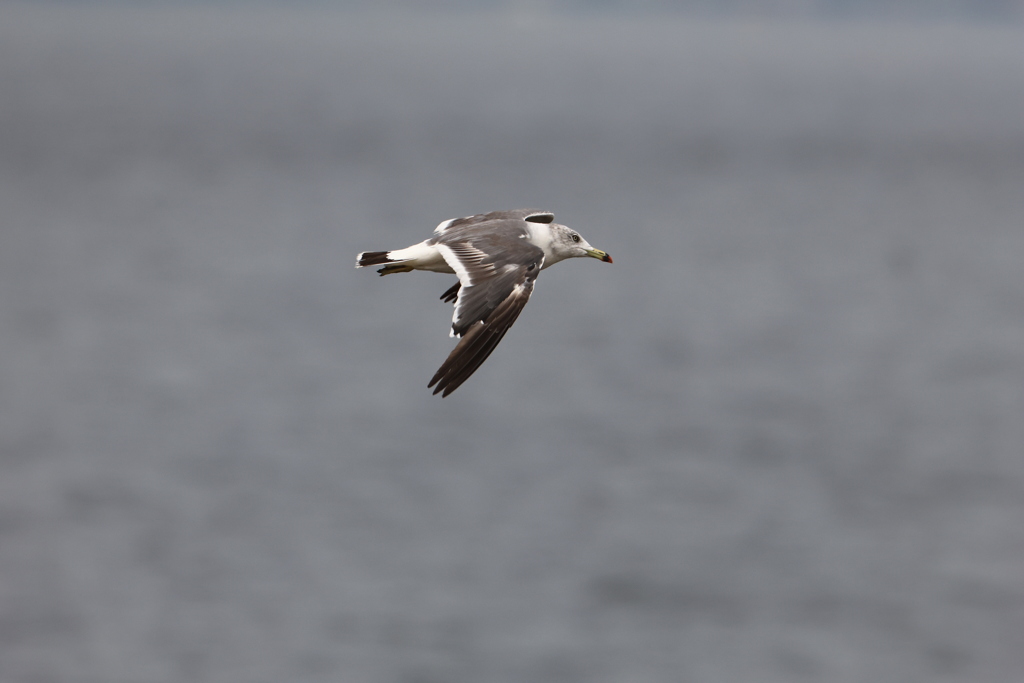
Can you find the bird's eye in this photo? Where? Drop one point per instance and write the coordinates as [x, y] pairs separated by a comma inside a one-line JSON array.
[[575, 237]]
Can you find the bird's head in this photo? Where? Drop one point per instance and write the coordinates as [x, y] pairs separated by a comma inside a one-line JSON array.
[[567, 243]]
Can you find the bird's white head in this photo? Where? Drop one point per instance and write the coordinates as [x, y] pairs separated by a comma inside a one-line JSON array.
[[567, 243]]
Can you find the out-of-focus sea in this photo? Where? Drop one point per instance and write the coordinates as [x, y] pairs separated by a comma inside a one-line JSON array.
[[781, 438]]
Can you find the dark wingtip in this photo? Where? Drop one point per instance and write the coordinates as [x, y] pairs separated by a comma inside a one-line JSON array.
[[451, 293]]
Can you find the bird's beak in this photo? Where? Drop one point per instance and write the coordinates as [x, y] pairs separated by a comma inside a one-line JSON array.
[[599, 255]]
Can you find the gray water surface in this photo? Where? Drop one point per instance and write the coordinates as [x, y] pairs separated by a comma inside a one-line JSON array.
[[779, 439]]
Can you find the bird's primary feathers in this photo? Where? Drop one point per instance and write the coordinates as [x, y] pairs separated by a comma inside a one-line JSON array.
[[497, 257]]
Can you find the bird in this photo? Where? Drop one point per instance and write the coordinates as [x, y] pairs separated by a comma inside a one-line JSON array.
[[497, 257]]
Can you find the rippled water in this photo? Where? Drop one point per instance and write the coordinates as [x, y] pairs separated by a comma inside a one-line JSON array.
[[779, 439]]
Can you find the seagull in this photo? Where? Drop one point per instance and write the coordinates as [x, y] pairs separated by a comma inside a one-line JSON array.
[[497, 257]]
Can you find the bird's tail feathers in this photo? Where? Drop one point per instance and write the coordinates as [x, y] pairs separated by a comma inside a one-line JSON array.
[[373, 258], [383, 258]]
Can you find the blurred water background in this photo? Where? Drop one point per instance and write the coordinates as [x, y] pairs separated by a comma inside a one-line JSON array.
[[779, 439]]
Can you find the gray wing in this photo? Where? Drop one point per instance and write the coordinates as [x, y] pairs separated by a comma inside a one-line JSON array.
[[479, 341], [497, 268], [532, 215]]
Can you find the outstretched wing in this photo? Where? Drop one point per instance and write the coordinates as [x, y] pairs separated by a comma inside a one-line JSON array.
[[497, 267], [480, 340]]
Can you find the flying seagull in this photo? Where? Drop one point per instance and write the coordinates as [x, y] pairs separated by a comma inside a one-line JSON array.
[[497, 257]]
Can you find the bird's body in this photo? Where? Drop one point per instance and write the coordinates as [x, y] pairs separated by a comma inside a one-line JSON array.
[[496, 257]]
